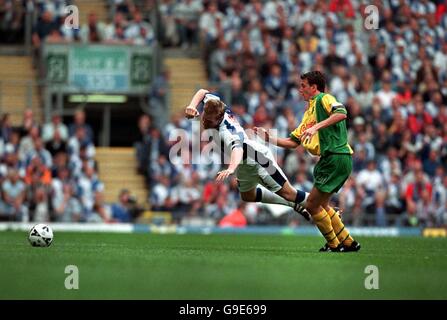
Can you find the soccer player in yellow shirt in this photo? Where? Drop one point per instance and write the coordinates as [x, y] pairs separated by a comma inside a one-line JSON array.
[[323, 133]]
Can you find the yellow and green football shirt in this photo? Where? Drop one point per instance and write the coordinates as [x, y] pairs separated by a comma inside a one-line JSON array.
[[332, 139]]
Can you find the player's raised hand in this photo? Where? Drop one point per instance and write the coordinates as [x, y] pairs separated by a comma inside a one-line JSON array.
[[222, 175], [308, 134], [262, 133], [191, 112]]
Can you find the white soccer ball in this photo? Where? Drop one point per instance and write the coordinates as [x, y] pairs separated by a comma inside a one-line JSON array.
[[41, 235]]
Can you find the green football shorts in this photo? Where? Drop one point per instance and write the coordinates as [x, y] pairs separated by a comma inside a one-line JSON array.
[[332, 171]]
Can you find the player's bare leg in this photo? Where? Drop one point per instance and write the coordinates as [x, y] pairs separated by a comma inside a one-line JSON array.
[[249, 196], [297, 197]]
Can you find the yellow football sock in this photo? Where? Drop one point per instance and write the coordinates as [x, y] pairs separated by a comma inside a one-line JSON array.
[[323, 223], [341, 232]]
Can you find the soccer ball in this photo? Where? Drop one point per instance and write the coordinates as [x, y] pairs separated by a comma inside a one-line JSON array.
[[41, 235]]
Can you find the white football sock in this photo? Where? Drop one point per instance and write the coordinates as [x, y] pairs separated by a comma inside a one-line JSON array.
[[270, 197]]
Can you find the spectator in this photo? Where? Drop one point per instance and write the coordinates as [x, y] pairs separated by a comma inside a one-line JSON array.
[[37, 169], [27, 144], [12, 13], [210, 23], [42, 29], [343, 8], [440, 200], [81, 141], [333, 60], [160, 197], [93, 31], [236, 218], [394, 202], [170, 35], [419, 118], [350, 204], [67, 208], [28, 122], [122, 6], [386, 94], [418, 195], [41, 152], [101, 212], [370, 184], [121, 210], [187, 196], [112, 29], [144, 124], [39, 206], [158, 99], [275, 83], [156, 146], [12, 204], [364, 144], [56, 145], [140, 31], [187, 14], [431, 162], [88, 185], [79, 121], [6, 127]]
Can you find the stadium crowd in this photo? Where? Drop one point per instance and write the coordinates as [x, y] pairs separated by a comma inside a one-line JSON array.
[[48, 173], [393, 81], [130, 25]]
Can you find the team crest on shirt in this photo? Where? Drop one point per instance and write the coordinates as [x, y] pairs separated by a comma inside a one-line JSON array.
[[306, 126]]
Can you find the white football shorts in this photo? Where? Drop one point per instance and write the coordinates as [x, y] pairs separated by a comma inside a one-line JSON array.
[[250, 175]]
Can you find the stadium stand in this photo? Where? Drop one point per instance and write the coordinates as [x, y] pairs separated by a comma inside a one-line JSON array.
[[393, 81], [18, 88]]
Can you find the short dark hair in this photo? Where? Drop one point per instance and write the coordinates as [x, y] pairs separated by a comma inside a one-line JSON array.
[[315, 77]]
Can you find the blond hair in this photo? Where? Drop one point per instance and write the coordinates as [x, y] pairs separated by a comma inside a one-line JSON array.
[[213, 113]]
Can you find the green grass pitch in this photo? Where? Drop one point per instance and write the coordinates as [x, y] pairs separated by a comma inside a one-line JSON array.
[[202, 267]]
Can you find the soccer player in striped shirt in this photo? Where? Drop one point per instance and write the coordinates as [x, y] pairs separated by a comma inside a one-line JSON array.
[[252, 162]]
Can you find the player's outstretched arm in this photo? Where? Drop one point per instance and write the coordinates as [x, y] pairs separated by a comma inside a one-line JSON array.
[[287, 143], [236, 157], [191, 109], [334, 118]]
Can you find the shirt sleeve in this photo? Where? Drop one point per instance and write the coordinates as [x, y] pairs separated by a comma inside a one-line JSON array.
[[295, 136], [231, 138], [331, 105]]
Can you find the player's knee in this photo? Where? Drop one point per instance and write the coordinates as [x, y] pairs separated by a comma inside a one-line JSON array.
[[244, 197], [248, 196], [312, 205], [292, 197], [287, 193]]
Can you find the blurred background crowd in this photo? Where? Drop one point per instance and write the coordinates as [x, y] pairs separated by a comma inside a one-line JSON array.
[[129, 24], [392, 80], [49, 173]]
